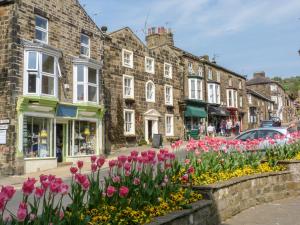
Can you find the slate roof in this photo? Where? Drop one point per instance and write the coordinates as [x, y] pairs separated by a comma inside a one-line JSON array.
[[257, 94]]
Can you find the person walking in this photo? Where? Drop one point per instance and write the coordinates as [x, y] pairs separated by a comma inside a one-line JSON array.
[[228, 127], [211, 130], [237, 128]]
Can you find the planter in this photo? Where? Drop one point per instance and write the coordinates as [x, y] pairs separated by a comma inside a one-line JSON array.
[[235, 195], [293, 166], [201, 213]]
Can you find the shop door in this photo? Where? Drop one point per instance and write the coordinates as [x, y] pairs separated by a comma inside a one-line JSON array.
[[150, 133], [61, 139]]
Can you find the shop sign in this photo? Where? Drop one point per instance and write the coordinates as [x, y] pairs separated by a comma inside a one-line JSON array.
[[2, 137], [4, 121], [4, 127]]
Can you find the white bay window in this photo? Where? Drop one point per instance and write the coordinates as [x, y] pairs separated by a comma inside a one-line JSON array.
[[41, 73], [195, 89]]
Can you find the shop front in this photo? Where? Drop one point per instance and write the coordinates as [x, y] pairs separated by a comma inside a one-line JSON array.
[[217, 117], [52, 133], [195, 120]]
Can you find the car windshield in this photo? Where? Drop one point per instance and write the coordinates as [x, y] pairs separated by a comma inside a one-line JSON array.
[[267, 124]]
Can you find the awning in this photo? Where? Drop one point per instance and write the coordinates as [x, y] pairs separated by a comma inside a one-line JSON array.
[[218, 111], [66, 111], [192, 111]]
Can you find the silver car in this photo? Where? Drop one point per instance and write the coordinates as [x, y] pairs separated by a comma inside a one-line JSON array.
[[263, 133]]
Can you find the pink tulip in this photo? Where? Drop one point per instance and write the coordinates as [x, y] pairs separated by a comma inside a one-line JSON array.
[[80, 164], [127, 173], [136, 181], [28, 186], [123, 191], [3, 201], [86, 185], [122, 158], [61, 215], [39, 192], [100, 161], [64, 188], [73, 170], [94, 167], [54, 188], [112, 163], [45, 184], [191, 170], [134, 153], [110, 191], [51, 178], [93, 158], [9, 191], [116, 179], [185, 177], [22, 212], [32, 217], [43, 177], [127, 166]]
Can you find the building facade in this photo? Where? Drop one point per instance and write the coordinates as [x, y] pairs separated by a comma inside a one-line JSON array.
[[274, 91], [142, 88], [51, 102], [260, 108]]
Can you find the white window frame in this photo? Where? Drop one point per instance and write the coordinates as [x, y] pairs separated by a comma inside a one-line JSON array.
[[85, 83], [218, 76], [39, 73], [131, 95], [152, 69], [198, 89], [233, 101], [171, 95], [146, 91], [132, 131], [274, 99], [42, 29], [210, 75], [249, 98], [88, 46], [170, 75], [273, 87], [130, 64], [213, 93], [171, 133], [190, 68], [230, 82]]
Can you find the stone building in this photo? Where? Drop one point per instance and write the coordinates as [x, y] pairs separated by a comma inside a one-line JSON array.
[[50, 95], [143, 86], [260, 108], [272, 90]]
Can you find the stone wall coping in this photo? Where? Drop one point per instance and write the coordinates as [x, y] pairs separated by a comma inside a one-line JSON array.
[[233, 181], [180, 213], [288, 161]]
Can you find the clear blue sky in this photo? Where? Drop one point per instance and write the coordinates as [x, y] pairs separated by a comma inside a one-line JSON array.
[[245, 35]]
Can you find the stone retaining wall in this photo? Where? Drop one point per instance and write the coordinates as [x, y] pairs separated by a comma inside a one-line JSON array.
[[228, 198]]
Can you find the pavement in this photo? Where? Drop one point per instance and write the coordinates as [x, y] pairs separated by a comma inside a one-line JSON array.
[[281, 212]]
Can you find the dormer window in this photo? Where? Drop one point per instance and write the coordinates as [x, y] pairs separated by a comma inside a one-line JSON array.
[[41, 29], [85, 45], [149, 65], [127, 58]]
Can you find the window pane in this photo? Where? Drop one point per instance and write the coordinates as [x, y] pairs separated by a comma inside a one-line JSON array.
[[92, 76], [32, 58], [80, 73], [48, 85], [80, 92], [85, 39], [41, 22], [48, 64], [85, 138], [31, 83], [41, 35], [84, 51], [92, 95]]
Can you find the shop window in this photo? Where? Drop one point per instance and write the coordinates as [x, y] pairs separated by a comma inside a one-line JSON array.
[[41, 29], [37, 137], [85, 138], [86, 84], [41, 73], [150, 91]]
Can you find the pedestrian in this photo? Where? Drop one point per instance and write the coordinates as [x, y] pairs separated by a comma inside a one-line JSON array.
[[211, 130], [228, 127], [237, 127], [223, 127]]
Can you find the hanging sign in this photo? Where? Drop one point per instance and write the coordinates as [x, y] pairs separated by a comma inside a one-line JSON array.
[[2, 137]]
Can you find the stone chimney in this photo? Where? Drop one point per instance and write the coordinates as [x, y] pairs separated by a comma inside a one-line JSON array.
[[158, 36], [260, 74], [205, 57]]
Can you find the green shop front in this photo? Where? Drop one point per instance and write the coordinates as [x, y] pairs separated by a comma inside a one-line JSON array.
[[51, 132], [195, 115]]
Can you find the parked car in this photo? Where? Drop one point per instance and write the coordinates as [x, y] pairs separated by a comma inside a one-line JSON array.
[[267, 123], [276, 121], [263, 133]]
